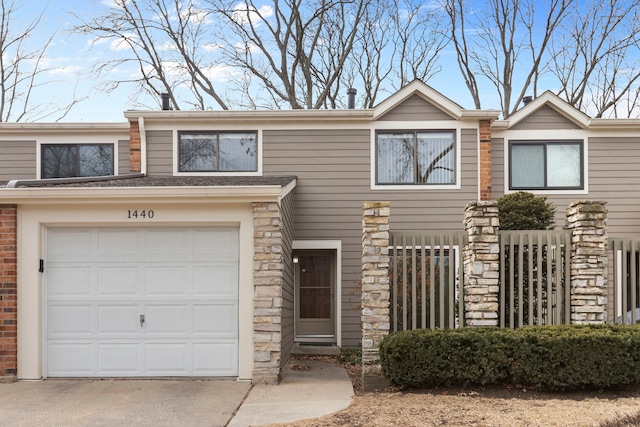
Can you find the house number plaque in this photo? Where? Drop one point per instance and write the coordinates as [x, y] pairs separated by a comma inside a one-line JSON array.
[[140, 214]]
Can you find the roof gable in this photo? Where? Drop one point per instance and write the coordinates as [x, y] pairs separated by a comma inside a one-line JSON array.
[[544, 106], [426, 93]]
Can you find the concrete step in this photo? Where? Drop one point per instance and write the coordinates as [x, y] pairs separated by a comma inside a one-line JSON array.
[[316, 350]]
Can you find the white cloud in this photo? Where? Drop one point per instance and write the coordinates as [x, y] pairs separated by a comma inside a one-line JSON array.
[[243, 15], [211, 47], [242, 48], [69, 69], [122, 44]]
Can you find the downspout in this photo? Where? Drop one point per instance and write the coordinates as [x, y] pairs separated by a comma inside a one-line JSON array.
[[143, 146]]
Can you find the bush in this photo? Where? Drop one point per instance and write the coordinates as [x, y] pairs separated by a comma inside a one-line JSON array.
[[525, 211], [554, 358]]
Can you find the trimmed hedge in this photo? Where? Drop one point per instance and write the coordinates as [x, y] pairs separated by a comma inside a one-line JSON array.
[[554, 358]]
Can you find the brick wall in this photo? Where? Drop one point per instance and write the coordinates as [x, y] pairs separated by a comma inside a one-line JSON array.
[[134, 147], [485, 160], [8, 294]]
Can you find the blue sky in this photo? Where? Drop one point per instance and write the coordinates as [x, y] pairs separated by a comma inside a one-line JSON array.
[[69, 61]]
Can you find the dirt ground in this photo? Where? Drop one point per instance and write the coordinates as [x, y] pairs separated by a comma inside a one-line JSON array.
[[491, 406]]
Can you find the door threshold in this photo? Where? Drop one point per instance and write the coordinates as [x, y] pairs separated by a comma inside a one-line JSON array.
[[316, 349]]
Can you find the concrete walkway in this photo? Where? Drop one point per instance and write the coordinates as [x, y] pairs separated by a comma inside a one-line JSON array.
[[309, 389], [120, 402]]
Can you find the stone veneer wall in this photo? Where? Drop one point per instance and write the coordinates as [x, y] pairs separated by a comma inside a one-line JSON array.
[[375, 289], [268, 280], [587, 221], [8, 294], [481, 264], [135, 154]]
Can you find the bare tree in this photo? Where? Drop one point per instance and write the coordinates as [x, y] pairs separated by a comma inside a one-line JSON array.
[[165, 40], [505, 44], [595, 58], [23, 70]]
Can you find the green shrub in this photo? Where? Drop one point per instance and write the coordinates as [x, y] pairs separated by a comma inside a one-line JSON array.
[[563, 357], [524, 211]]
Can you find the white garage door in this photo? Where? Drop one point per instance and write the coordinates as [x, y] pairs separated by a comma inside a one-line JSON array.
[[142, 302]]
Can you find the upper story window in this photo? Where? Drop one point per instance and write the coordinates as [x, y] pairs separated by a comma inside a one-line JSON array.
[[206, 151], [76, 160], [416, 157], [546, 165]]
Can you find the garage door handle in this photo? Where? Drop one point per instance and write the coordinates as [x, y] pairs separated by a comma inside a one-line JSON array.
[[141, 319]]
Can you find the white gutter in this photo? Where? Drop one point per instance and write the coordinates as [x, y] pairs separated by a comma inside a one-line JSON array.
[[96, 195]]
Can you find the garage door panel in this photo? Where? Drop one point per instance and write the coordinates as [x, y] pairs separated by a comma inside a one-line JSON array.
[[121, 358], [166, 280], [184, 281], [165, 319], [70, 244], [166, 358], [118, 320], [68, 281], [114, 281], [70, 320], [220, 244], [217, 319], [215, 359], [117, 244], [216, 280], [70, 359]]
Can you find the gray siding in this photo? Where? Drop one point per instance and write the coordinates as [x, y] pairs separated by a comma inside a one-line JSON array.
[[17, 160], [416, 108], [497, 167], [545, 118], [613, 174], [287, 220], [123, 157], [333, 170], [159, 152]]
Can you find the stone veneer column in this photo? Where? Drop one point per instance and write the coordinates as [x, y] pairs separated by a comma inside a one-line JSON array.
[[587, 221], [8, 294], [481, 264], [135, 163], [375, 289], [485, 160], [268, 280]]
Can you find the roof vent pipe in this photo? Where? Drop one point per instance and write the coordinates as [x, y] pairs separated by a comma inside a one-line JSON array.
[[351, 103], [526, 100], [165, 101]]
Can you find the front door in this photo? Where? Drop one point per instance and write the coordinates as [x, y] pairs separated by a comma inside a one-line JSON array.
[[315, 272]]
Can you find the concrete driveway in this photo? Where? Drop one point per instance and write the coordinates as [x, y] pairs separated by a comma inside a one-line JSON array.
[[121, 402]]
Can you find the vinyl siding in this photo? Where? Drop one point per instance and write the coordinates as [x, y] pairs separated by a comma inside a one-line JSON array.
[[160, 152], [17, 160], [287, 221], [415, 108], [333, 170], [613, 175], [545, 118], [123, 157]]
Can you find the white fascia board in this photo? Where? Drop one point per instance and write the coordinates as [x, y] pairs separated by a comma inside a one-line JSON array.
[[550, 99], [429, 94], [228, 116], [63, 127], [218, 194]]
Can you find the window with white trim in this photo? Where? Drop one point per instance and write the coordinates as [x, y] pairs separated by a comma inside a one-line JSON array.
[[208, 151], [546, 165], [76, 160], [421, 157]]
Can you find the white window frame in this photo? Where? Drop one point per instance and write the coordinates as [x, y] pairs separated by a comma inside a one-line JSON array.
[[176, 150], [391, 126], [546, 135]]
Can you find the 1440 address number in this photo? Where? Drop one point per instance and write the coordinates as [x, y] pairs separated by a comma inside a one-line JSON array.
[[136, 214]]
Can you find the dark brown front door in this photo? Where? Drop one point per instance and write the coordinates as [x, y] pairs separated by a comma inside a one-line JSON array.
[[315, 283]]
